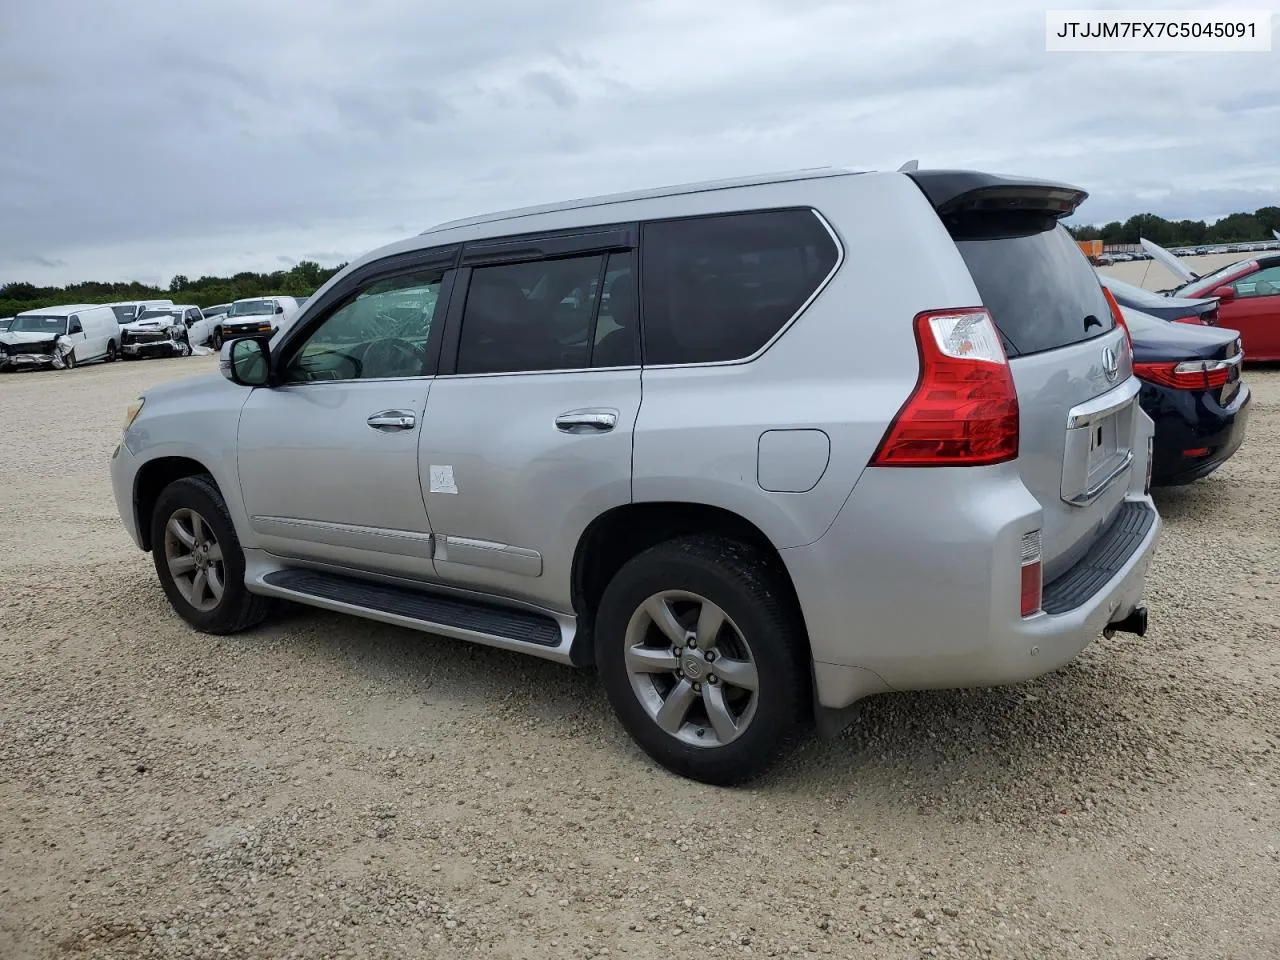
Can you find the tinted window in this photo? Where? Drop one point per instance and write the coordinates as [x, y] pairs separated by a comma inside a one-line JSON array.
[[1038, 286], [719, 288], [381, 332], [530, 316], [125, 314], [1264, 283], [615, 341]]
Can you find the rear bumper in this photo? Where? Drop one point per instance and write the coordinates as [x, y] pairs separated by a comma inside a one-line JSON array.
[[928, 589], [1193, 422]]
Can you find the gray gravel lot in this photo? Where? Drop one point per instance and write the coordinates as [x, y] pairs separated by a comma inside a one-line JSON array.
[[326, 787]]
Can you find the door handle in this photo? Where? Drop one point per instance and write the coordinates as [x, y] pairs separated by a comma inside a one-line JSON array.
[[393, 420], [584, 421]]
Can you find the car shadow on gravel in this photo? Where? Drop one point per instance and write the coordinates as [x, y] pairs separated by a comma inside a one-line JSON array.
[[950, 751]]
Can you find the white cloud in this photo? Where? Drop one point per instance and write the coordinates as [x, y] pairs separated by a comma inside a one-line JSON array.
[[152, 138]]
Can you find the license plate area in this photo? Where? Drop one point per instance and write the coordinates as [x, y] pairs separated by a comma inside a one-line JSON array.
[[1098, 449]]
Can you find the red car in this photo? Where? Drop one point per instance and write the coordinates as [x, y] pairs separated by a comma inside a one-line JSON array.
[[1248, 295]]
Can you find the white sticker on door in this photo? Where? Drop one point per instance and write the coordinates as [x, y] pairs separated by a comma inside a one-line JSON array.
[[442, 479]]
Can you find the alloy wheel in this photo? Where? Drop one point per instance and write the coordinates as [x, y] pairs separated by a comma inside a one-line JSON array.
[[194, 557], [691, 668]]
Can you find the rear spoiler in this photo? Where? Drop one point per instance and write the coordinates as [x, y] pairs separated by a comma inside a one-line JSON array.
[[968, 191]]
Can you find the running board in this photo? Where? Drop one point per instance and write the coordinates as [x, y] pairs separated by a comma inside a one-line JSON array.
[[462, 617]]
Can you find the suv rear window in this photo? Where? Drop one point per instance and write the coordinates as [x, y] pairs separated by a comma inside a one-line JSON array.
[[1038, 286], [720, 287]]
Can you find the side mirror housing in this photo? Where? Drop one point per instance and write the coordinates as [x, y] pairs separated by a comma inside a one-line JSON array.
[[279, 309], [1226, 292], [246, 361], [75, 327]]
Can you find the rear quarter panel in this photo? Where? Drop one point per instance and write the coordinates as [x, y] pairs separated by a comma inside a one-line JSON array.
[[844, 367]]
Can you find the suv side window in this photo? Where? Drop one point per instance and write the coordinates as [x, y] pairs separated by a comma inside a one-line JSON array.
[[615, 342], [380, 332], [720, 287], [1264, 283], [529, 317]]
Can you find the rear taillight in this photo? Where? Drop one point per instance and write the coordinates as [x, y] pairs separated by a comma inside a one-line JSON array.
[[1118, 316], [1032, 581], [964, 409], [1190, 375]]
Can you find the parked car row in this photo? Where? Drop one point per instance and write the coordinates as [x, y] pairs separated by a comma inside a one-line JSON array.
[[67, 336], [1188, 355], [1247, 293], [657, 439]]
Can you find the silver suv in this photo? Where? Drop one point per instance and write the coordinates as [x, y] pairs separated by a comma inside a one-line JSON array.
[[754, 449]]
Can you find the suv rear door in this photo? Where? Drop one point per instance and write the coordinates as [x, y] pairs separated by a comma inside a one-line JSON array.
[[529, 424], [1071, 364]]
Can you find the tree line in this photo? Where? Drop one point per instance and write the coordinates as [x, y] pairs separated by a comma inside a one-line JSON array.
[[307, 276], [1236, 228], [300, 281]]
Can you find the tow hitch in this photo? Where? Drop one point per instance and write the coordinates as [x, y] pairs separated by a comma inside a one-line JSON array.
[[1135, 623]]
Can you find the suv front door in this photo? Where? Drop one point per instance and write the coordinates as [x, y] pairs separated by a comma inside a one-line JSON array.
[[328, 459], [530, 423]]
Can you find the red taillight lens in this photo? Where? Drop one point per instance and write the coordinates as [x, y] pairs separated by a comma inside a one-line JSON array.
[[1118, 316], [1191, 375], [964, 409], [1032, 580]]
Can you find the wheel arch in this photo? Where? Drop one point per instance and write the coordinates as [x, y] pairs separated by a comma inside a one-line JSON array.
[[620, 533], [151, 480]]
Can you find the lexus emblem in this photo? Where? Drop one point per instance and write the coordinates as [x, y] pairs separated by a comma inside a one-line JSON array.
[[1110, 365]]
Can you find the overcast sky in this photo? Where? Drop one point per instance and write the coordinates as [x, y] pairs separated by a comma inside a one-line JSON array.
[[144, 138]]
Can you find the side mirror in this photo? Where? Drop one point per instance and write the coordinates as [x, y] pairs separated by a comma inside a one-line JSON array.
[[279, 309], [75, 327], [1227, 292], [246, 362]]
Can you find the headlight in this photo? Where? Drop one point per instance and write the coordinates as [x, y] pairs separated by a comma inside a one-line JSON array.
[[131, 414]]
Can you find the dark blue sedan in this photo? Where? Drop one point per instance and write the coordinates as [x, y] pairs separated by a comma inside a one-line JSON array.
[[1192, 389]]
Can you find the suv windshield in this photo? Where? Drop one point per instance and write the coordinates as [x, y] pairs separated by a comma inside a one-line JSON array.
[[252, 308], [50, 325], [1038, 286]]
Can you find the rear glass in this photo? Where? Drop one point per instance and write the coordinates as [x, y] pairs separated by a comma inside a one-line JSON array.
[[1038, 286]]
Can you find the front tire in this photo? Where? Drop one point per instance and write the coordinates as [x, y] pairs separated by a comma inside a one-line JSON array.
[[199, 560], [704, 658], [69, 361]]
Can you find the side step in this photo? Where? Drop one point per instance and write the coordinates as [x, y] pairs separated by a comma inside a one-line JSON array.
[[448, 615]]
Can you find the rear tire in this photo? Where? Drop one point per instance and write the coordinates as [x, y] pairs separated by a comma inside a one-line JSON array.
[[722, 730], [217, 338], [199, 560], [111, 351]]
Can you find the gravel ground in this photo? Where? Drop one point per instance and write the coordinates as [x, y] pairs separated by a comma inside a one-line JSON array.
[[326, 787]]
